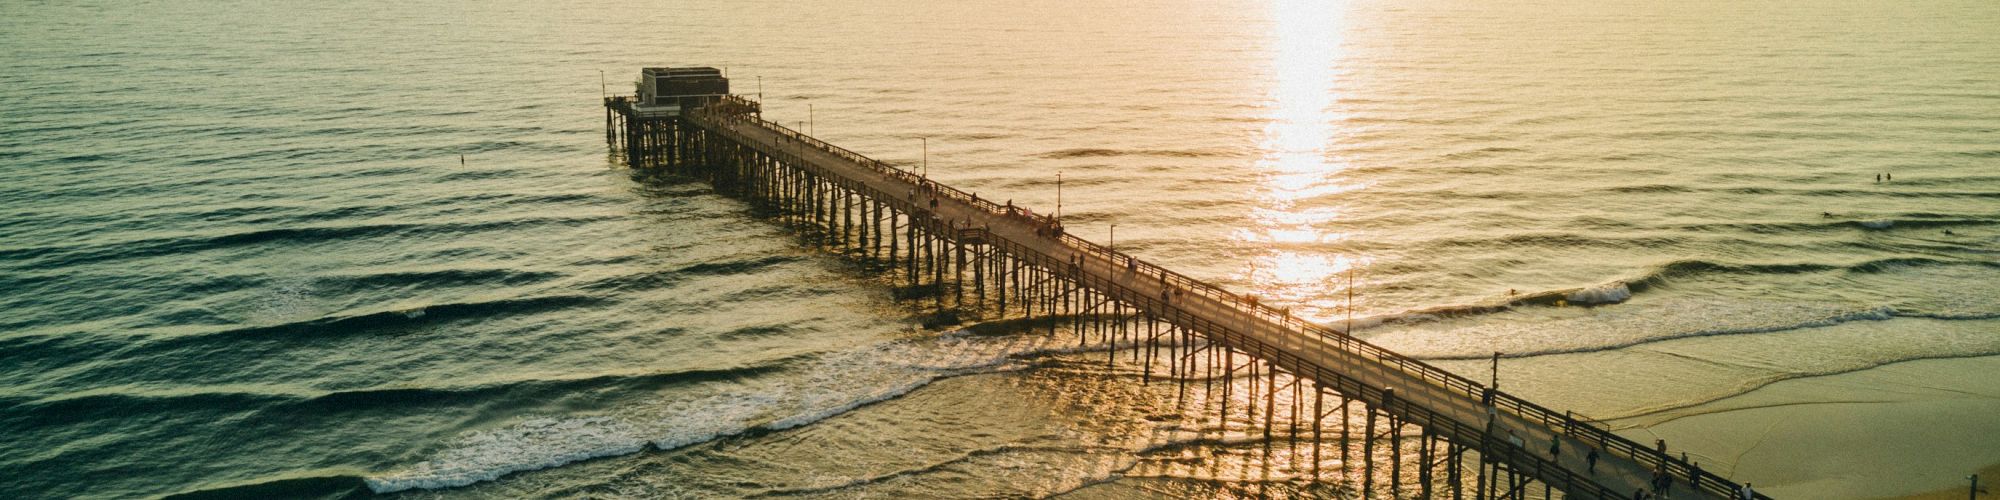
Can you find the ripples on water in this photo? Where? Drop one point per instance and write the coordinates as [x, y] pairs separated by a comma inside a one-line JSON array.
[[241, 254]]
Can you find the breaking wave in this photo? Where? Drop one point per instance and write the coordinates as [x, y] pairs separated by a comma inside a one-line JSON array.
[[828, 386]]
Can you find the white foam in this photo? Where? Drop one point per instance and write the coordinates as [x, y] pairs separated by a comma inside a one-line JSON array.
[[1608, 293], [534, 444], [832, 385]]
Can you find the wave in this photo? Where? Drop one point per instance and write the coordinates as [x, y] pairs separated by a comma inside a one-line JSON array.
[[1620, 290], [65, 256], [833, 385], [330, 486], [388, 319], [1100, 152], [115, 401], [1877, 314], [965, 457]]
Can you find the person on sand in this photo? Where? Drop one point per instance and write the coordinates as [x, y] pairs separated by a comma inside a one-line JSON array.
[[1878, 178]]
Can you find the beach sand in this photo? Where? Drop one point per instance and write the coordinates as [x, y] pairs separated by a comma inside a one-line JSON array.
[[1987, 477], [1932, 422]]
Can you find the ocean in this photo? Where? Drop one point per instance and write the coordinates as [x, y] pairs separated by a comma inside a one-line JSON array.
[[346, 249]]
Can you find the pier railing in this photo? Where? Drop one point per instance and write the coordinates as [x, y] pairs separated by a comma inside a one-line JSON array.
[[1583, 430]]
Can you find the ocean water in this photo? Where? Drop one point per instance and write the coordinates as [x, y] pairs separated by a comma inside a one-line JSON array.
[[310, 249]]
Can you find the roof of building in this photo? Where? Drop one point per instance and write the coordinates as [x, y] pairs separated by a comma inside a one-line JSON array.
[[684, 72]]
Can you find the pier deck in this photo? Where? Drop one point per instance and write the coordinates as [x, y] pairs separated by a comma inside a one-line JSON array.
[[1505, 431]]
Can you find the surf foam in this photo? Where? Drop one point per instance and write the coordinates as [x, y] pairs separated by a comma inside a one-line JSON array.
[[831, 385]]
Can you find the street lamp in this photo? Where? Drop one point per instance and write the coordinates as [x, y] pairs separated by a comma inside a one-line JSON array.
[[809, 118], [603, 85], [927, 157], [1496, 371], [1350, 298], [1058, 195], [1114, 238]]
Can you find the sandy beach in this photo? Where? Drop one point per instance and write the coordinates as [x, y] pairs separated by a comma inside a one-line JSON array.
[[1800, 437]]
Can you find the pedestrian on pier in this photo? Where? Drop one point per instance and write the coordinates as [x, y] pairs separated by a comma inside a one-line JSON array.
[[1590, 460], [1749, 494], [1555, 448], [1694, 476]]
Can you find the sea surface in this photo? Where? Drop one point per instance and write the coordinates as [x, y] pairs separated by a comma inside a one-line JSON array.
[[328, 249]]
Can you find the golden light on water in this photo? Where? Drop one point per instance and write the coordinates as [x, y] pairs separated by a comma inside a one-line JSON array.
[[1296, 167]]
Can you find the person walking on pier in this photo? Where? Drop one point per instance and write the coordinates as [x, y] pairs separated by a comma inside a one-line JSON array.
[[1749, 494], [1555, 449], [1694, 476], [1590, 461], [1665, 482]]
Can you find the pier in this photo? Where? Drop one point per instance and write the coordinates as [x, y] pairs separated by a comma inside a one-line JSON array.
[[1439, 434]]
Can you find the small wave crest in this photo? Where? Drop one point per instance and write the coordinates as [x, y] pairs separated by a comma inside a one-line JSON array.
[[1876, 314], [1608, 293], [1100, 152]]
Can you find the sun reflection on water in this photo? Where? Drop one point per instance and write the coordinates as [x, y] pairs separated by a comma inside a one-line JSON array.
[[1294, 228]]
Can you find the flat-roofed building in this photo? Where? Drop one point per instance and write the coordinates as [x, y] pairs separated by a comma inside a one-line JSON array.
[[686, 87]]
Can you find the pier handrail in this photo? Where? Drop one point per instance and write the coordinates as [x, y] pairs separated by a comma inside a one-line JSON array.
[[1580, 429]]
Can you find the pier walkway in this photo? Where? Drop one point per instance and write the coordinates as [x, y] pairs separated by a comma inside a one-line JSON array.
[[1506, 432]]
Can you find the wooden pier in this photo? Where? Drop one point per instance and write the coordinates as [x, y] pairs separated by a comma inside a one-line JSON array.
[[1459, 439]]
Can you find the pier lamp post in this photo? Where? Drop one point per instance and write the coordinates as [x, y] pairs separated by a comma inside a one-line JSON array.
[[1114, 238], [760, 96], [809, 118], [1350, 298], [927, 157], [603, 86], [1058, 195], [1496, 371]]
